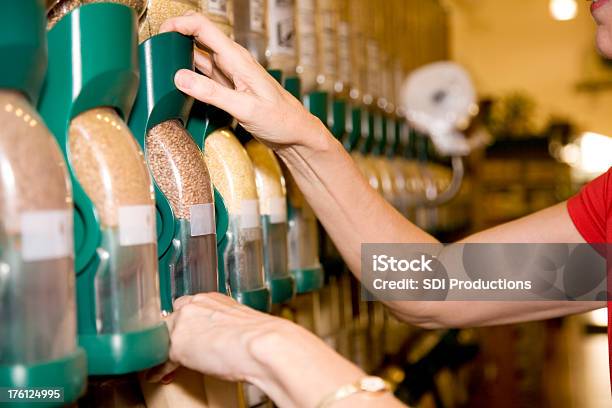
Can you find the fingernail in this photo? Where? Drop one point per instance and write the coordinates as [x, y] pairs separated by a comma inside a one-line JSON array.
[[168, 378], [181, 79]]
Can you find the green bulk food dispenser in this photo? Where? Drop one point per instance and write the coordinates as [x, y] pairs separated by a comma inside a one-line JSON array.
[[186, 226], [90, 86], [38, 345], [240, 243], [303, 229], [273, 205]]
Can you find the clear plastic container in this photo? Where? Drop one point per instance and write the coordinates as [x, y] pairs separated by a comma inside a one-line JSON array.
[[37, 281], [220, 12], [386, 178], [326, 24], [305, 35], [368, 171], [233, 175], [250, 27], [358, 62], [179, 169], [343, 47], [159, 11], [303, 230], [281, 47], [273, 206], [110, 167]]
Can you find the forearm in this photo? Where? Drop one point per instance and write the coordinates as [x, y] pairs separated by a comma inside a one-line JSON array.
[[351, 211], [313, 372]]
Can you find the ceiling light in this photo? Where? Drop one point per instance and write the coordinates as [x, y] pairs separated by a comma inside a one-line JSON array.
[[563, 10]]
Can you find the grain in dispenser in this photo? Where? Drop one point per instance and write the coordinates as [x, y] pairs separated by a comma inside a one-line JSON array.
[[186, 233], [240, 239], [250, 32], [303, 230], [89, 90], [269, 178], [38, 346], [273, 206]]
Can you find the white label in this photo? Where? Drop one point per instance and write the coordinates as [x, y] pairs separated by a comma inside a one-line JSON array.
[[46, 235], [202, 219], [281, 27], [217, 7], [137, 225], [256, 16], [249, 214], [278, 210]]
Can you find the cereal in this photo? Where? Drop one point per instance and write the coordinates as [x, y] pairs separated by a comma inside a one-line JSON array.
[[30, 152], [159, 11], [108, 163], [268, 176], [178, 167], [138, 5], [63, 7], [230, 169], [60, 10]]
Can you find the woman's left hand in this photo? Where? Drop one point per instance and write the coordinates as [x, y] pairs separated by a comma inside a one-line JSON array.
[[233, 81]]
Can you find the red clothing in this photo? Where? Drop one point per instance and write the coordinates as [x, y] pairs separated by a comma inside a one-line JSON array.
[[591, 212]]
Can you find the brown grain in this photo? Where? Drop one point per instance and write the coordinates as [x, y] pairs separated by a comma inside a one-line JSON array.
[[230, 169], [138, 5], [159, 11], [33, 172], [66, 6], [268, 175], [108, 163], [178, 167]]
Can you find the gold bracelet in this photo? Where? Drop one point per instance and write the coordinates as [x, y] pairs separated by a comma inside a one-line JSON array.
[[370, 384]]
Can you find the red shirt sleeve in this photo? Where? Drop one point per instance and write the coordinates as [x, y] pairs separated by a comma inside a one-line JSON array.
[[589, 209]]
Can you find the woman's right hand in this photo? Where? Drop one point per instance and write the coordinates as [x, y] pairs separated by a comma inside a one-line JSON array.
[[215, 335], [234, 82]]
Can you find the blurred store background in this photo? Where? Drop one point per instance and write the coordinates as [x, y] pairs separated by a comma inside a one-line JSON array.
[[538, 121]]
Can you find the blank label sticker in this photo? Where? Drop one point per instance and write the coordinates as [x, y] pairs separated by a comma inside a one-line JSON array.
[[136, 225], [278, 210], [46, 235], [202, 219], [249, 214]]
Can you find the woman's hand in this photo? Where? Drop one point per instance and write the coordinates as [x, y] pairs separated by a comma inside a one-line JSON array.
[[213, 334], [234, 82]]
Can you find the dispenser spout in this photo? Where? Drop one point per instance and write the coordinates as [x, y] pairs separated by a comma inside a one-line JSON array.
[[454, 186]]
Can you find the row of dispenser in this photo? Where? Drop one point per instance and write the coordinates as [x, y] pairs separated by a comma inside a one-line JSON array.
[[119, 194]]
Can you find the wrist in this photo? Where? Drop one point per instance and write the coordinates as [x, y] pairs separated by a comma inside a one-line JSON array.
[[314, 139], [297, 368]]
